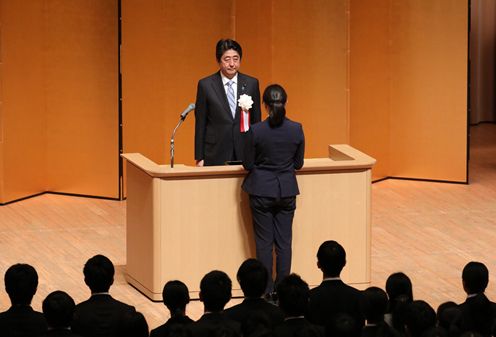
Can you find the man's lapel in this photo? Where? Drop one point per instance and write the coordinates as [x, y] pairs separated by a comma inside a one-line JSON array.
[[221, 93]]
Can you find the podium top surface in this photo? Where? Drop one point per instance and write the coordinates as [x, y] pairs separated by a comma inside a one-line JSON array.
[[341, 157]]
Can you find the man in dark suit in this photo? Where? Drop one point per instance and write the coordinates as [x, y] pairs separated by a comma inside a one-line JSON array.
[[218, 136], [293, 299], [100, 315], [252, 277], [21, 282], [58, 308], [333, 296], [215, 292], [477, 313]]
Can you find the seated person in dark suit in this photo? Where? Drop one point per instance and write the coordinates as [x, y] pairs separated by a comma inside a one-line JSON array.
[[21, 282], [215, 292], [100, 315], [333, 296], [477, 313], [293, 300], [175, 296], [253, 277], [420, 319], [374, 304], [58, 308]]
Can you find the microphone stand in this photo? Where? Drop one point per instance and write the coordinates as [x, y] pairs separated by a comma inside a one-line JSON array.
[[181, 120]]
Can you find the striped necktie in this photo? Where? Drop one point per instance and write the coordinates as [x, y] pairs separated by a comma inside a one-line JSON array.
[[231, 98]]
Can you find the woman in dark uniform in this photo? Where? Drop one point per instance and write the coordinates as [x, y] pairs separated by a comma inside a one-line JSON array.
[[274, 149]]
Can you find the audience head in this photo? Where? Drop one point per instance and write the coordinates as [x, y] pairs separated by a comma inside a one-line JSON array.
[[58, 308], [342, 325], [21, 282], [420, 318], [99, 274], [399, 288], [475, 277], [446, 314], [331, 258], [274, 99], [293, 295], [253, 277], [374, 304], [215, 290], [224, 45], [175, 296]]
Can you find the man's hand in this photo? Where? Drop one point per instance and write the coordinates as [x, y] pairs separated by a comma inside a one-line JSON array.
[[199, 163]]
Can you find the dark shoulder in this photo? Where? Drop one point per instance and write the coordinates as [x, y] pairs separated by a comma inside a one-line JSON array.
[[210, 78], [172, 325], [244, 77], [292, 124], [106, 301]]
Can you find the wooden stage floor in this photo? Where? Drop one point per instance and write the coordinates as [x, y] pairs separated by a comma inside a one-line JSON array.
[[427, 230]]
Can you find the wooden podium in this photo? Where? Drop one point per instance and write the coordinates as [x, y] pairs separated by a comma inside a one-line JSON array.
[[185, 221]]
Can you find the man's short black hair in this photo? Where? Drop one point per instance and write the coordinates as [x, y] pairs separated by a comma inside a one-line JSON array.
[[225, 45], [331, 257], [215, 290], [175, 296], [253, 277], [21, 282], [420, 317], [58, 308], [374, 304], [293, 294], [99, 273], [475, 277]]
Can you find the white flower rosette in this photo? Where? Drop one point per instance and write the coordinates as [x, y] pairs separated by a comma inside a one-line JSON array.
[[245, 102]]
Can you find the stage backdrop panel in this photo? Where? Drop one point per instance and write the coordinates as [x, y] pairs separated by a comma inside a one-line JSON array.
[[59, 100], [22, 154], [428, 113], [408, 78]]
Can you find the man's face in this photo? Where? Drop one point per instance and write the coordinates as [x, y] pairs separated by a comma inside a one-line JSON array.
[[229, 63]]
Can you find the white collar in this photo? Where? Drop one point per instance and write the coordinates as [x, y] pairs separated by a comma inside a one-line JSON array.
[[225, 79]]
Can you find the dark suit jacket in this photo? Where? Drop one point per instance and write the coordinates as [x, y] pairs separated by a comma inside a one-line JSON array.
[[476, 314], [332, 297], [212, 323], [298, 327], [22, 321], [217, 133], [272, 155], [243, 310], [100, 316], [173, 322]]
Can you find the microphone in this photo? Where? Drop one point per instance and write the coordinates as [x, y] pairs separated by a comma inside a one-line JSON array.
[[187, 110], [183, 117]]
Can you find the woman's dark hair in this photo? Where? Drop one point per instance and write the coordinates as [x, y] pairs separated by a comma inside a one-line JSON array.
[[275, 97]]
